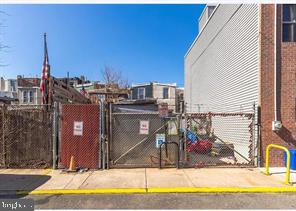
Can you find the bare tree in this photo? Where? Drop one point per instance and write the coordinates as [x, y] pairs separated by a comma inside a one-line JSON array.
[[114, 77]]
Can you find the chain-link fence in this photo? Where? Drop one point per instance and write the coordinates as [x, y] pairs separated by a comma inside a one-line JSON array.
[[219, 139], [25, 136], [80, 135], [136, 140]]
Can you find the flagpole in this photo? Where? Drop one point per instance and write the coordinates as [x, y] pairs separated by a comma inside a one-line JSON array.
[[46, 73], [44, 83]]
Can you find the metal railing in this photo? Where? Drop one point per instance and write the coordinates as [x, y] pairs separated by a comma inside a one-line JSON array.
[[288, 161], [177, 152]]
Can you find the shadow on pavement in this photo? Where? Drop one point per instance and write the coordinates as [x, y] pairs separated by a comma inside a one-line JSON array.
[[10, 184]]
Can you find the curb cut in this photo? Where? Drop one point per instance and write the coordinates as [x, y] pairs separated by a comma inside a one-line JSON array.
[[161, 190]]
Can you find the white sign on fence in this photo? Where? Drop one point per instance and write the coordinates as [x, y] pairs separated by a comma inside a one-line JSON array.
[[144, 127], [172, 128], [160, 138], [78, 128]]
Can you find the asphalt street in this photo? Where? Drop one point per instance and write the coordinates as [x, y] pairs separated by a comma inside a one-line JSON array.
[[166, 201]]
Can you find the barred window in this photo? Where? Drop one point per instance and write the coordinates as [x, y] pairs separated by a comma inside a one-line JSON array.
[[165, 93], [25, 96], [289, 22], [141, 93], [31, 96], [210, 10]]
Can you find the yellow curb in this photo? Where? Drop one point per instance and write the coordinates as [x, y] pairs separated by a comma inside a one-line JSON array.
[[223, 190], [84, 191], [162, 190], [46, 171]]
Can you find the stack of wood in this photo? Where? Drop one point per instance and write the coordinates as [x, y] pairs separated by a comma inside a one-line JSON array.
[[61, 92]]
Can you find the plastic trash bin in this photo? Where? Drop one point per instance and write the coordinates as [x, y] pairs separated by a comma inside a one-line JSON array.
[[292, 158]]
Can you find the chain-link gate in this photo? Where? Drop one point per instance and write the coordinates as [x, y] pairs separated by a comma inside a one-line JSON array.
[[25, 136], [136, 140], [219, 139], [80, 135]]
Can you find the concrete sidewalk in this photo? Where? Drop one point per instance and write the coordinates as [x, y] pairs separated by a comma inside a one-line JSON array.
[[32, 181]]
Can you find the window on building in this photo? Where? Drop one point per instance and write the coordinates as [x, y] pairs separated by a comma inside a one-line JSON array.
[[141, 93], [289, 22], [210, 10], [31, 96], [12, 86], [25, 96], [165, 93]]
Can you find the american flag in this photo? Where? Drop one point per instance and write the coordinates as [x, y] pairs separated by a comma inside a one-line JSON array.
[[45, 75], [83, 92]]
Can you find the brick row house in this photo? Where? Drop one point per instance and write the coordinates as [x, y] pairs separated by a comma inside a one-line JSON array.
[[234, 62]]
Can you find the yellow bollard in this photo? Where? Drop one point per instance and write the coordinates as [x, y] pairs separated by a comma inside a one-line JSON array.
[[287, 179]]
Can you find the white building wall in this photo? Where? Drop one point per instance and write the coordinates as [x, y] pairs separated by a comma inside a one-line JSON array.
[[222, 67], [8, 87], [222, 71], [203, 19], [158, 94]]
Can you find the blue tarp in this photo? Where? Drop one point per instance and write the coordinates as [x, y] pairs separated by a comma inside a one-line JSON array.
[[191, 136]]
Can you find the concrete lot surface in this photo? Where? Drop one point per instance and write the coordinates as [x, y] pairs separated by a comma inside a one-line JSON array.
[[32, 179]]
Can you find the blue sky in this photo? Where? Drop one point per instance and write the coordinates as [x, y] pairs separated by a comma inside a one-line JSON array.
[[145, 42]]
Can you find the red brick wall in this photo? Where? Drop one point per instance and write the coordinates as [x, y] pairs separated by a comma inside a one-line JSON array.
[[286, 87]]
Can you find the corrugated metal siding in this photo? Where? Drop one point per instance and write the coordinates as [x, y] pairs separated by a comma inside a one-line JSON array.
[[222, 70], [203, 19]]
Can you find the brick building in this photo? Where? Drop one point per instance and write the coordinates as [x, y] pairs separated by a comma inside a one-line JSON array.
[[231, 66], [286, 78]]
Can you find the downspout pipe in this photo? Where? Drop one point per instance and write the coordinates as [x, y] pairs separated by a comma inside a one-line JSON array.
[[275, 62], [276, 124]]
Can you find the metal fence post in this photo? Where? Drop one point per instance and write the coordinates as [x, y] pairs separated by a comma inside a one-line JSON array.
[[108, 141], [105, 139], [258, 135], [59, 138], [100, 139], [180, 135], [103, 149], [103, 136], [254, 154], [54, 135]]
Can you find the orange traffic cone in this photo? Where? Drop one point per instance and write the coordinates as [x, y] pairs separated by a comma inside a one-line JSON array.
[[72, 166]]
